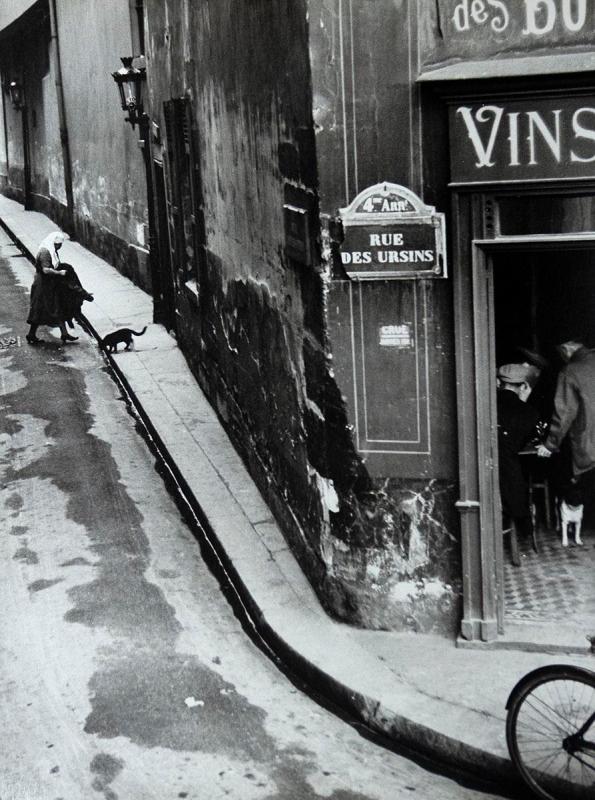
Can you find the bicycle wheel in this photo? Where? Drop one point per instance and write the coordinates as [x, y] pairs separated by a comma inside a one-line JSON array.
[[550, 731]]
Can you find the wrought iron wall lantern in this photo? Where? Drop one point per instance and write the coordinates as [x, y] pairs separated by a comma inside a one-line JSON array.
[[130, 82], [17, 97]]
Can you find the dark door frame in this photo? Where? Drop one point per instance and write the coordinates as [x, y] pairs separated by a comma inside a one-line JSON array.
[[474, 244], [163, 268]]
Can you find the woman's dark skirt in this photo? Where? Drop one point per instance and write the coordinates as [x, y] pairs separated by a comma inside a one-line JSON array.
[[46, 304], [56, 299]]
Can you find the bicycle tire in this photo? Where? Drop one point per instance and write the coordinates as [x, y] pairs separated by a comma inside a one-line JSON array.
[[545, 707]]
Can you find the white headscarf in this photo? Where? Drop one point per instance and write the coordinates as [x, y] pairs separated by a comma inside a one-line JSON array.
[[49, 243]]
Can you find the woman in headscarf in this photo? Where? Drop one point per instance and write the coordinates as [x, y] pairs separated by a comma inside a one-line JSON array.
[[56, 294]]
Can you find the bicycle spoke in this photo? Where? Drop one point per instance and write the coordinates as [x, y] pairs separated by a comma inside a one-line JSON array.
[[556, 713], [546, 749], [585, 774], [536, 720], [583, 730], [541, 722], [584, 764], [579, 706], [544, 762]]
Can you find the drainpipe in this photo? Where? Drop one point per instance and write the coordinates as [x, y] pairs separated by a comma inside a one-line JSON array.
[[140, 18], [28, 202], [57, 69], [5, 134]]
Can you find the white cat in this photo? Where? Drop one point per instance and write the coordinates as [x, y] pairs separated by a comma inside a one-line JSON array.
[[571, 514]]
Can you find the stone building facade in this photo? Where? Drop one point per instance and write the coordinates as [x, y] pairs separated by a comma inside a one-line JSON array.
[[272, 115], [83, 166]]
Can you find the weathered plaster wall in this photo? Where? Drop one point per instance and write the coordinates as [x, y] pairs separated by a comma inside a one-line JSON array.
[[393, 553], [15, 52], [11, 11], [23, 58], [107, 165], [378, 543], [257, 328], [54, 173], [14, 148], [3, 145], [40, 138]]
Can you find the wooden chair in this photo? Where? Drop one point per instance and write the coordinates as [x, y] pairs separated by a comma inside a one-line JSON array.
[[539, 485]]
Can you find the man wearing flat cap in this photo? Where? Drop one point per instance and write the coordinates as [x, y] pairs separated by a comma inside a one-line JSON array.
[[574, 416], [517, 423]]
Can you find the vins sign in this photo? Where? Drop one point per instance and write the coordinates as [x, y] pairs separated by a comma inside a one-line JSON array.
[[390, 233], [523, 140]]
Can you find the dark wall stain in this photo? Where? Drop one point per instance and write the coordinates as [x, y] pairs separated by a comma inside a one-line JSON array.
[[15, 502], [18, 530], [106, 768], [40, 585], [244, 341], [168, 573], [26, 556], [13, 426], [77, 562], [255, 387], [131, 261]]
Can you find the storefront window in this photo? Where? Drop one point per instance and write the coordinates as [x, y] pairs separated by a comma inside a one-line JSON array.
[[522, 215]]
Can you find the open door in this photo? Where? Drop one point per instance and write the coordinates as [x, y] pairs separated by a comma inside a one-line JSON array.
[[479, 506], [515, 289]]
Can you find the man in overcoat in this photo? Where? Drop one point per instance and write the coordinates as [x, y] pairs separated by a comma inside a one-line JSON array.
[[574, 417]]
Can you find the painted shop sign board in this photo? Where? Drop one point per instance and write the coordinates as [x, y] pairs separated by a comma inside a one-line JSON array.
[[390, 233], [482, 28], [548, 138]]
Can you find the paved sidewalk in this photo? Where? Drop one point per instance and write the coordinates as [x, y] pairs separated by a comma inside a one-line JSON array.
[[420, 691]]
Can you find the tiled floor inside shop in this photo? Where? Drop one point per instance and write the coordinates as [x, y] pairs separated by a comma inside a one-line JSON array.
[[557, 583]]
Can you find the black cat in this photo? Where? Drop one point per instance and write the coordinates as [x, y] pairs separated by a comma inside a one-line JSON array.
[[111, 341]]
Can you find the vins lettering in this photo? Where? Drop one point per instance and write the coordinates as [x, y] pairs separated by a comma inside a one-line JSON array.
[[526, 138]]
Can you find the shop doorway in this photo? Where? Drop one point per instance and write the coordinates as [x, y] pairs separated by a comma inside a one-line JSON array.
[[540, 297]]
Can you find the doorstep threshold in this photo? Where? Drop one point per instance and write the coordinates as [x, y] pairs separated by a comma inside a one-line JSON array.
[[538, 637]]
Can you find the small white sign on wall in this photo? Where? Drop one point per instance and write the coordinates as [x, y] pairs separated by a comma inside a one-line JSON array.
[[399, 336]]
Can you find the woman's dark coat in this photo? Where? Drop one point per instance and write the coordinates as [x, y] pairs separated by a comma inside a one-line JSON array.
[[54, 298]]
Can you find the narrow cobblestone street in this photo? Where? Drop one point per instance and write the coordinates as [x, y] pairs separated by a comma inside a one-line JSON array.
[[127, 674]]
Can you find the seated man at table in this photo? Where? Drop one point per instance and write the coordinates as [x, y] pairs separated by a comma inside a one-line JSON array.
[[517, 423]]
